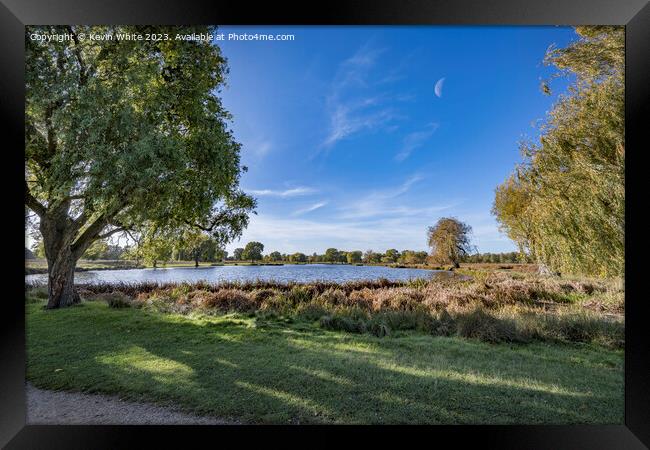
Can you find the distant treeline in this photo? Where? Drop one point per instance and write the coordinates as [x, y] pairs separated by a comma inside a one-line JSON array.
[[511, 257], [211, 253], [333, 255]]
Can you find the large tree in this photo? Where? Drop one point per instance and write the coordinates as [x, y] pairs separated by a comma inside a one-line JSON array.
[[237, 254], [274, 256], [253, 251], [298, 257], [354, 257], [566, 202], [122, 133], [332, 255], [390, 256], [197, 245], [155, 248], [449, 240]]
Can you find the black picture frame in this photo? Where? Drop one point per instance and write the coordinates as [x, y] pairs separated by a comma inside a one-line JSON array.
[[634, 14]]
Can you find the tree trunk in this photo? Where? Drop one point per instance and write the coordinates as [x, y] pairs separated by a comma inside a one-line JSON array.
[[61, 290], [196, 262], [58, 236]]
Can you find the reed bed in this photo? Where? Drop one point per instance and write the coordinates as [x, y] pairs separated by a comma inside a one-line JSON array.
[[491, 306]]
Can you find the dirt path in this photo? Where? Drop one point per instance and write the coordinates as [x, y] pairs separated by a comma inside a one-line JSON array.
[[74, 408]]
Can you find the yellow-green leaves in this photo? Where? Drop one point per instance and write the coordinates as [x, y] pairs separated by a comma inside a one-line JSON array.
[[566, 204]]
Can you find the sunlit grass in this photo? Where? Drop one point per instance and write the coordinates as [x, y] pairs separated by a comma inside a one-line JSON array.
[[234, 367]]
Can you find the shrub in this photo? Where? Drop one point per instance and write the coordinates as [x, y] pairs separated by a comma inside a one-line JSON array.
[[362, 298], [584, 327], [226, 300], [39, 292], [443, 324], [405, 320], [478, 324], [36, 294], [311, 311], [342, 323], [116, 299], [379, 329], [266, 314], [332, 297], [279, 302], [260, 295], [299, 294]]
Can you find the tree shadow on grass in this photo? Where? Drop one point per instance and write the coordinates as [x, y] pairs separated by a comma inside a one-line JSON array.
[[231, 369]]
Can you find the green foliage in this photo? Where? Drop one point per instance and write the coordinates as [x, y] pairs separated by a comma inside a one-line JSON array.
[[298, 257], [412, 257], [274, 256], [371, 257], [125, 135], [390, 256], [196, 245], [96, 250], [353, 257], [154, 247], [333, 255], [253, 251], [566, 203]]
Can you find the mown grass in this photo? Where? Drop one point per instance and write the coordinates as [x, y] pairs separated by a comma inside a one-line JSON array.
[[264, 367]]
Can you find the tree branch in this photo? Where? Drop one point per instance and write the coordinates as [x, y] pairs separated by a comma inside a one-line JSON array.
[[34, 204], [90, 234], [111, 232], [77, 52], [93, 230]]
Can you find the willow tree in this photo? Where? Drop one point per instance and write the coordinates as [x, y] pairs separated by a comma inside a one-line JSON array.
[[122, 134], [566, 202], [449, 240]]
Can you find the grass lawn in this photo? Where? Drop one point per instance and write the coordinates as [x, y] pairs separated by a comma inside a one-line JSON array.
[[262, 371]]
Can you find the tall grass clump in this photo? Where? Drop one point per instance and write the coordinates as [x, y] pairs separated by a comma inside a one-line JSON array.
[[489, 306]]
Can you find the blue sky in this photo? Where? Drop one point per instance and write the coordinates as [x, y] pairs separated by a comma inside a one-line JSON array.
[[350, 144]]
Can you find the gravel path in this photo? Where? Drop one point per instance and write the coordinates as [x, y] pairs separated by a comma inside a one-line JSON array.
[[74, 408]]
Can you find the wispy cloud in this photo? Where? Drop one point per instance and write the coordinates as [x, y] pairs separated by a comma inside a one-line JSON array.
[[414, 140], [293, 192], [384, 203], [289, 235], [352, 105], [262, 148], [354, 71], [310, 208], [348, 119]]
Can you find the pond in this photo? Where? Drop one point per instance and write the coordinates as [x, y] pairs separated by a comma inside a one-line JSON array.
[[299, 273]]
